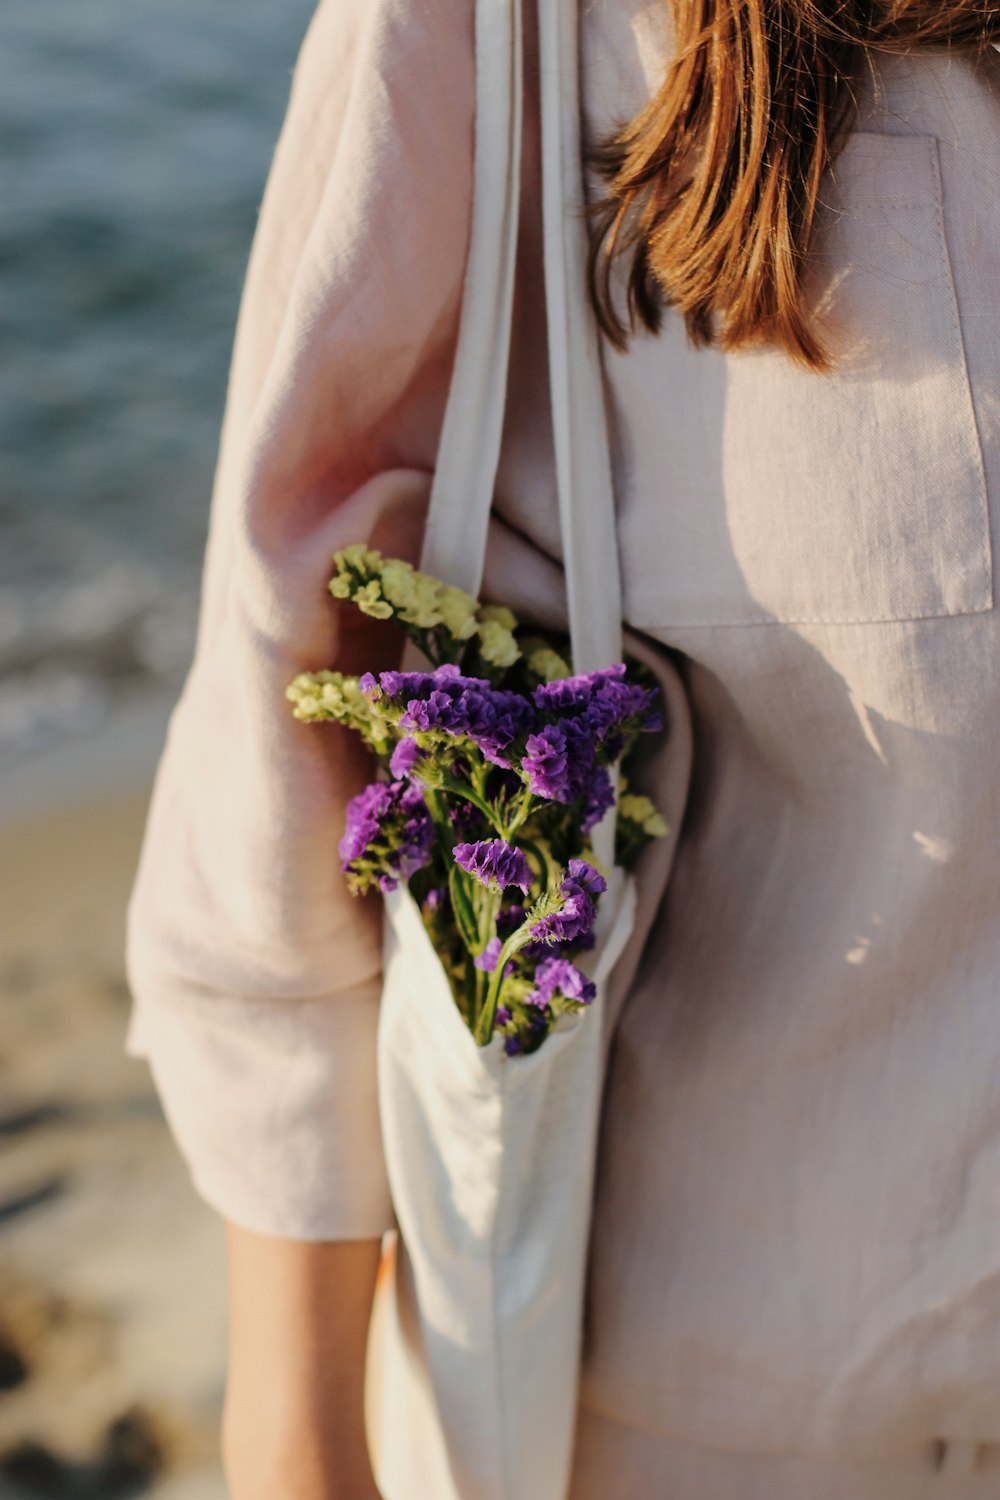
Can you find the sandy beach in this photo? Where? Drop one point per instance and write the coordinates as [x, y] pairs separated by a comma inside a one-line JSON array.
[[139, 143], [112, 1318]]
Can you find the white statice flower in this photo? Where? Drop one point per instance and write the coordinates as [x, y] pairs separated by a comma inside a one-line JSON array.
[[349, 562], [427, 605], [318, 696], [496, 643], [458, 611], [413, 595], [305, 694], [359, 557], [398, 583], [640, 810], [500, 613], [370, 601], [548, 664]]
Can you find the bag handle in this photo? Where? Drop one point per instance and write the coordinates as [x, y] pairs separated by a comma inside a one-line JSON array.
[[458, 515], [579, 418], [465, 475]]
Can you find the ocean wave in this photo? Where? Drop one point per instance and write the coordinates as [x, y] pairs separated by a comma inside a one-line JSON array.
[[136, 145], [71, 654]]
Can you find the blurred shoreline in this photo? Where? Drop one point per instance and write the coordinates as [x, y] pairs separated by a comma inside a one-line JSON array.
[[136, 146], [76, 656], [115, 759]]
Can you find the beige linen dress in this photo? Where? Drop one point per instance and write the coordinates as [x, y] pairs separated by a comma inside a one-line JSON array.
[[795, 1260]]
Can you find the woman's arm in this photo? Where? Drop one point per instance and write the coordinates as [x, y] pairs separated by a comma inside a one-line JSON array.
[[294, 1413], [256, 974]]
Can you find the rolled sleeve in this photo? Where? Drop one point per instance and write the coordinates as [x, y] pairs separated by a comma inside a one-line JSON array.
[[273, 1107], [255, 976]]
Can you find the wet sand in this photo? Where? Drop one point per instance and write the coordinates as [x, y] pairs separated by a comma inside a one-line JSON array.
[[111, 1292]]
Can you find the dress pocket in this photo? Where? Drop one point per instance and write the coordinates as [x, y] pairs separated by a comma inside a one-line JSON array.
[[856, 495]]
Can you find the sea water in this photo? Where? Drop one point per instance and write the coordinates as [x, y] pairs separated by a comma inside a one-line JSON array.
[[135, 137]]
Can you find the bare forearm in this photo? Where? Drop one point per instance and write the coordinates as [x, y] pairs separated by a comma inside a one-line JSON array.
[[294, 1415]]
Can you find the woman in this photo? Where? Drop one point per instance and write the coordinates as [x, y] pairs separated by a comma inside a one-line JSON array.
[[795, 1257]]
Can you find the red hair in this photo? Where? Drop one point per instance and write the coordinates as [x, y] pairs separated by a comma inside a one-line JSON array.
[[713, 189]]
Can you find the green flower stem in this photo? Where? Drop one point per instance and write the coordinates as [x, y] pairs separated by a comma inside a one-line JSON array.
[[479, 773], [456, 788], [522, 810], [459, 884], [463, 905], [487, 903], [480, 980], [487, 1016], [472, 978], [439, 815]]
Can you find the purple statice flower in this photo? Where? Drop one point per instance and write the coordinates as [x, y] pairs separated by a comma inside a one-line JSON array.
[[557, 976], [570, 695], [510, 919], [467, 707], [487, 960], [435, 898], [546, 765], [560, 760], [603, 703], [364, 821], [389, 835], [494, 862], [435, 711], [405, 757], [512, 1045], [416, 835], [491, 717], [494, 719], [600, 795], [503, 1016], [615, 704], [584, 875], [402, 686], [574, 919]]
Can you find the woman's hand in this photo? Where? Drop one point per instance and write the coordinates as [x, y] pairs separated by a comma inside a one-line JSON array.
[[293, 1424]]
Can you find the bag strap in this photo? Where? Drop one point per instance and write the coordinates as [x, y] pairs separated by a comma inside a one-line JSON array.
[[458, 516], [579, 419], [465, 474]]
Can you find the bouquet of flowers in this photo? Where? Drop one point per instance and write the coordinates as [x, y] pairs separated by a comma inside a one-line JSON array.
[[496, 763]]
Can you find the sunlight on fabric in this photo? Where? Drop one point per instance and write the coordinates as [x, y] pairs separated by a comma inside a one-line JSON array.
[[938, 850], [864, 719]]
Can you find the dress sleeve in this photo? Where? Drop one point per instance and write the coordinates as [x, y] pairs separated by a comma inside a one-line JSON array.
[[255, 976]]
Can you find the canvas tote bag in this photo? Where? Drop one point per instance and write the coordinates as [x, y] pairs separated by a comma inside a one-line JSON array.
[[475, 1347]]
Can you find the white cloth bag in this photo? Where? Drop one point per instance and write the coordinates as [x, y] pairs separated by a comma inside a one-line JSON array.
[[473, 1368]]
